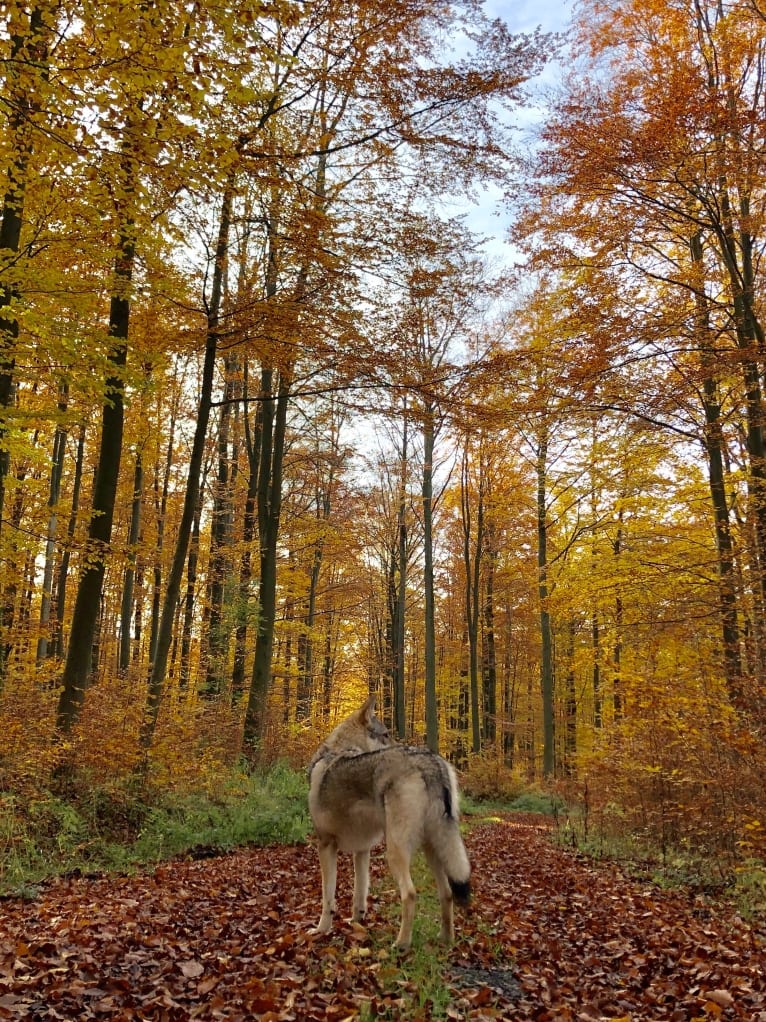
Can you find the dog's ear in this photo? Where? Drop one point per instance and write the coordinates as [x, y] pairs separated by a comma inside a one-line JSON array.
[[367, 712]]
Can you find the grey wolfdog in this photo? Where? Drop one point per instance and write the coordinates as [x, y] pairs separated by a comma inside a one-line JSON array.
[[364, 789]]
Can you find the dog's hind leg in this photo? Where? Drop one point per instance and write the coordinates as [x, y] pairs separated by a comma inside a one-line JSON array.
[[399, 864], [446, 900], [328, 860], [361, 884]]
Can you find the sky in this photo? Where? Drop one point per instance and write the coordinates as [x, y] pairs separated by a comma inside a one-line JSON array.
[[487, 216], [526, 15]]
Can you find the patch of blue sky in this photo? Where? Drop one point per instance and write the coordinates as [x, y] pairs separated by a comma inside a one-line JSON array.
[[486, 212]]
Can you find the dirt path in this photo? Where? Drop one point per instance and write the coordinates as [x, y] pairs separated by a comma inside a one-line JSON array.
[[550, 937]]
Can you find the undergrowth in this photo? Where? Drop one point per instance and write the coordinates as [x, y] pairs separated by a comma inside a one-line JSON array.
[[705, 872], [81, 826]]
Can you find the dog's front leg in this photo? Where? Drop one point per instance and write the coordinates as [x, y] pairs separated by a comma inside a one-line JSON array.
[[361, 884], [328, 860]]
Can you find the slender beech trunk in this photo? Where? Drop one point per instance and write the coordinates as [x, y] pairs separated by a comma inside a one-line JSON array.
[[187, 625], [714, 450], [77, 669], [128, 585], [400, 631], [472, 596], [432, 712], [749, 337], [546, 633], [510, 697], [328, 666], [390, 632], [220, 539], [570, 705], [618, 698], [12, 596], [63, 572], [269, 513], [27, 71], [46, 599], [489, 658], [191, 496], [595, 631], [160, 507], [249, 525], [26, 74], [731, 222], [270, 467], [305, 655]]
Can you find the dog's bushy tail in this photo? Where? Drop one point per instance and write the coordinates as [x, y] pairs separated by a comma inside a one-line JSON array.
[[451, 848], [461, 891]]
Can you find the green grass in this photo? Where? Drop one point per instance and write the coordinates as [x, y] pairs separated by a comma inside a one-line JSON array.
[[91, 829], [709, 874], [415, 981], [415, 975], [530, 801]]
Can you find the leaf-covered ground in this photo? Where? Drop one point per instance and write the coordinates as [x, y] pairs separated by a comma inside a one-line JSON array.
[[551, 936]]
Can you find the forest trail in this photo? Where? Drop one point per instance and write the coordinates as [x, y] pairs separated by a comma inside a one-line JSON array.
[[551, 936]]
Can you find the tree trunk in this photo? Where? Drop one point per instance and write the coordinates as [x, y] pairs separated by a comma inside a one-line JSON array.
[[269, 512], [191, 496], [160, 507], [489, 657], [126, 607], [546, 634], [26, 69], [750, 340], [76, 676], [432, 713], [250, 519], [400, 630], [595, 631], [618, 700], [714, 449], [510, 697], [570, 706], [187, 625], [63, 572], [220, 540], [46, 600], [472, 598]]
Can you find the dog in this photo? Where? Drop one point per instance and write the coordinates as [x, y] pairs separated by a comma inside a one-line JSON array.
[[364, 789]]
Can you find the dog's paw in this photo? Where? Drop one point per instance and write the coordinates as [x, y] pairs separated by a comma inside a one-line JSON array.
[[323, 926]]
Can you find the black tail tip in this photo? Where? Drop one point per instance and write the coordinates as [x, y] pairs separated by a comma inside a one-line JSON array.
[[461, 891]]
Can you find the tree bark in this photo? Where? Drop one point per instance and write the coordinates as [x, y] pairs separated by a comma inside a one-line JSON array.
[[489, 656], [63, 572], [220, 540], [28, 53], [191, 496], [126, 606], [432, 713], [46, 599], [269, 512], [472, 597], [714, 450], [400, 623], [76, 676], [546, 633]]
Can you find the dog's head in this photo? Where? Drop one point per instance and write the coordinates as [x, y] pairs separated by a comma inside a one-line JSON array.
[[361, 732]]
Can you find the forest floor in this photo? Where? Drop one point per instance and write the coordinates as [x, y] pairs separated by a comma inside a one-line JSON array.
[[551, 935]]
